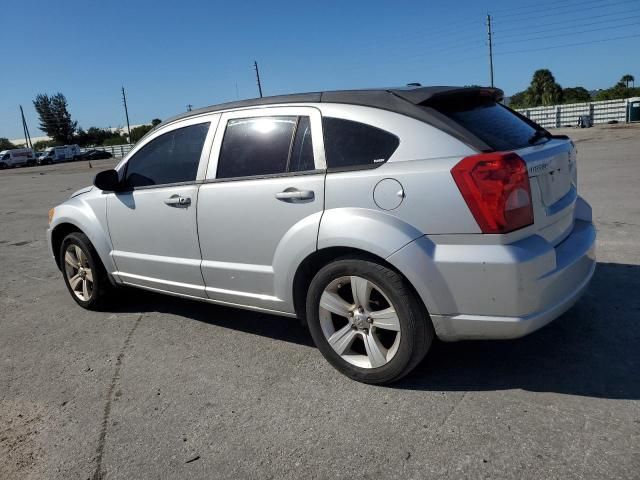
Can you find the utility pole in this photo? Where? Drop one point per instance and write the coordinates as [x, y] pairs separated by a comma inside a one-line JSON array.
[[255, 65], [126, 112], [27, 137], [490, 35]]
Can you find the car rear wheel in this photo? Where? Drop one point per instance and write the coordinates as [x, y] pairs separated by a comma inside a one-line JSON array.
[[83, 271], [366, 321]]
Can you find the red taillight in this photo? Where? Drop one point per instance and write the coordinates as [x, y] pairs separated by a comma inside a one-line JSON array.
[[496, 189]]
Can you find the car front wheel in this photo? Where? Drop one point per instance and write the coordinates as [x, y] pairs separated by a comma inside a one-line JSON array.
[[83, 272], [366, 321]]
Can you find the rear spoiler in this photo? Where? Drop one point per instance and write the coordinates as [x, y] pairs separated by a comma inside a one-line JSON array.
[[427, 96]]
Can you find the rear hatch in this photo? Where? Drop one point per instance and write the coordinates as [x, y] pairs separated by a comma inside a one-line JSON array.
[[550, 160]]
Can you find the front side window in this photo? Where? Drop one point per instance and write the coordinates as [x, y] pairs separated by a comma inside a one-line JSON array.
[[169, 158], [265, 146], [351, 144]]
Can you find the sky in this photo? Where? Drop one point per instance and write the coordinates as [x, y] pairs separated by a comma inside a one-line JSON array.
[[169, 54]]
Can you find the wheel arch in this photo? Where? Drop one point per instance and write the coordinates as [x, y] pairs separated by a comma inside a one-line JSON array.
[[58, 234], [81, 218], [310, 266]]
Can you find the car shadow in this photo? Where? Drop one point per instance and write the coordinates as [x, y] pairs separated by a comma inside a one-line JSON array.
[[285, 329], [592, 350]]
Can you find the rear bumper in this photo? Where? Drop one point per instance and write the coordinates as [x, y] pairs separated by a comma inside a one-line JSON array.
[[499, 291], [470, 327]]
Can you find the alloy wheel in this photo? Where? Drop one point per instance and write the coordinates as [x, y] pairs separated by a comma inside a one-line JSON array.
[[78, 272], [359, 322]]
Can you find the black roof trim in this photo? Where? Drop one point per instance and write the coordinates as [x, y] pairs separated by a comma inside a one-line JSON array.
[[409, 101]]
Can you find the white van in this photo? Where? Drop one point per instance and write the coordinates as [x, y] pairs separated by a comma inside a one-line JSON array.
[[59, 154], [16, 157]]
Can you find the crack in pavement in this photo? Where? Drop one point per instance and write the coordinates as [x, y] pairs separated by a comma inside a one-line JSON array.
[[98, 473]]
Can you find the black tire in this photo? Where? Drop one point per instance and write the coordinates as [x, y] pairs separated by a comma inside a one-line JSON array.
[[101, 284], [417, 331], [3, 165]]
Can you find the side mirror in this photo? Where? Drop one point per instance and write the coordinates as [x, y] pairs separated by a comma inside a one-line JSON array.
[[107, 181]]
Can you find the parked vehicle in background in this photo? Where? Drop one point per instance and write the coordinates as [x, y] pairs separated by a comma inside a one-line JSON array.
[[66, 153], [381, 218], [94, 154], [17, 157]]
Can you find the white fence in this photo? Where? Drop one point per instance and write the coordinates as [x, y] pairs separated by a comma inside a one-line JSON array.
[[567, 115], [117, 151]]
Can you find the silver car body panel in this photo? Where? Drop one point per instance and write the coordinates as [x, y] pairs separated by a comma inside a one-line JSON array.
[[250, 262], [236, 244]]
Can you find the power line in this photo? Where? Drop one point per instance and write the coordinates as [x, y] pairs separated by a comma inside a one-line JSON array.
[[545, 14], [535, 9], [537, 6], [602, 40], [564, 21], [573, 33]]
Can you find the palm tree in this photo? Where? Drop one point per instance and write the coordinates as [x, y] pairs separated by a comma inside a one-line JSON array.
[[543, 89], [628, 78]]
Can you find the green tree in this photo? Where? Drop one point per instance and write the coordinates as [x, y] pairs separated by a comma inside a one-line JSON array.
[[518, 100], [140, 131], [575, 95], [117, 140], [42, 144], [628, 78], [618, 91], [94, 136], [5, 144], [543, 89], [155, 122], [55, 119]]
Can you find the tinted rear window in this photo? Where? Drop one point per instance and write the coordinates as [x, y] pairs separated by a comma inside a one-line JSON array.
[[494, 124], [351, 144]]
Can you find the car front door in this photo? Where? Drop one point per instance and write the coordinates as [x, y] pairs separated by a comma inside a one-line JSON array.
[[152, 222], [259, 208]]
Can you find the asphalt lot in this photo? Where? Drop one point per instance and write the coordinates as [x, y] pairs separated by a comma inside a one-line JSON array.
[[159, 387]]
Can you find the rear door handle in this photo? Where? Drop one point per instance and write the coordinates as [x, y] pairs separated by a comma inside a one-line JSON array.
[[178, 201], [293, 194]]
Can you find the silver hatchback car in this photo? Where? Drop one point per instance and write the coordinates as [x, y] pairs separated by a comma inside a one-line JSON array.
[[381, 218]]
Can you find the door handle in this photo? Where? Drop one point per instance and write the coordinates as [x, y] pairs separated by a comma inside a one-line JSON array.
[[293, 194], [178, 201]]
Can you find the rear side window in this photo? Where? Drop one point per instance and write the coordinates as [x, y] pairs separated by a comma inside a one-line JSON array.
[[265, 146], [491, 122], [169, 158], [353, 144], [302, 151]]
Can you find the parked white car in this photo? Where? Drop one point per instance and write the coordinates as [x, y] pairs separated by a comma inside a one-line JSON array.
[[16, 157], [64, 153], [381, 218]]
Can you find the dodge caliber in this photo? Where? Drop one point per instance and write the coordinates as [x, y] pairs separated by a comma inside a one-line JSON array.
[[380, 218]]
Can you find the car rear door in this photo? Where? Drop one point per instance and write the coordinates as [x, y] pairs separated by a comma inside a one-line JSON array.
[[152, 223], [260, 206]]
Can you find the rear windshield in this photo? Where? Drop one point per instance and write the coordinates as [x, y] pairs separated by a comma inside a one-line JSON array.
[[494, 124]]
